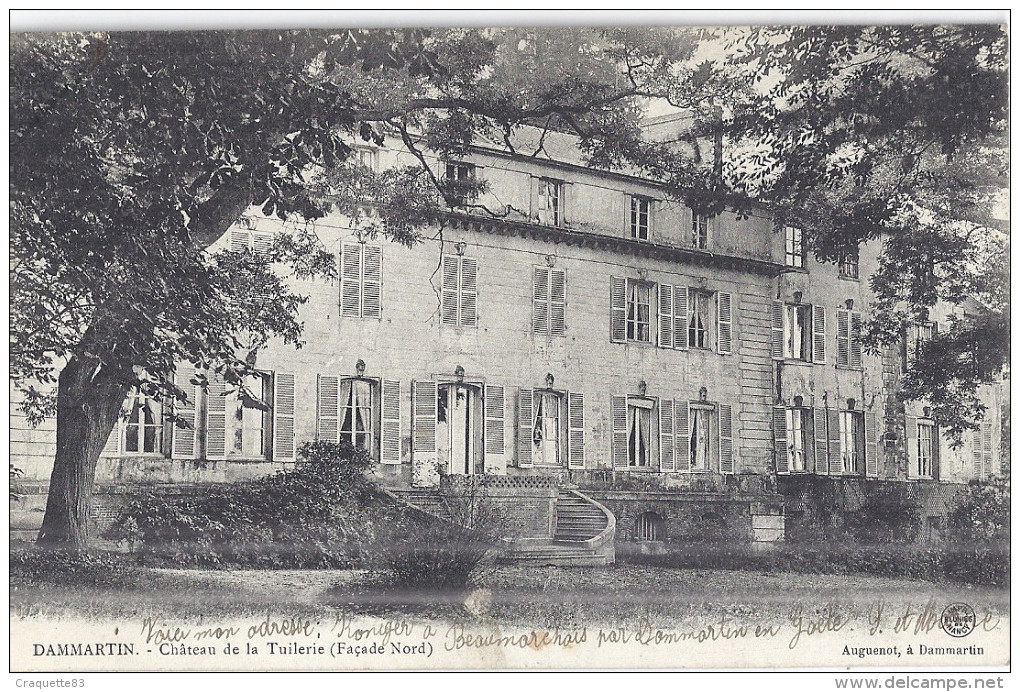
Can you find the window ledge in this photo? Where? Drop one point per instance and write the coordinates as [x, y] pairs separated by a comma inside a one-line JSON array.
[[844, 277]]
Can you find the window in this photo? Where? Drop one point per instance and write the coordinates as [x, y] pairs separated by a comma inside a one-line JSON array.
[[926, 441], [460, 291], [459, 427], [361, 280], [794, 247], [546, 431], [699, 231], [248, 426], [639, 311], [640, 216], [851, 440], [550, 202], [460, 172], [639, 432], [143, 432], [798, 422], [914, 336], [797, 332], [849, 265], [549, 301], [460, 178], [700, 444], [848, 338], [699, 319], [256, 242], [357, 413], [650, 527], [369, 158]]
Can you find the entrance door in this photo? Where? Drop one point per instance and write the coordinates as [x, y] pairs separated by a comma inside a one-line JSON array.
[[458, 407]]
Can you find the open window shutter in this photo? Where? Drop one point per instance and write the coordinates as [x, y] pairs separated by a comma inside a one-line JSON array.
[[261, 242], [468, 292], [818, 332], [390, 446], [912, 452], [525, 427], [238, 239], [540, 301], [182, 440], [666, 317], [978, 453], [451, 278], [372, 284], [682, 435], [936, 461], [680, 317], [558, 302], [871, 443], [986, 439], [350, 279], [778, 312], [575, 433], [618, 412], [821, 442], [216, 421], [327, 427], [495, 433], [725, 315], [283, 417], [835, 458], [726, 438], [113, 442], [424, 405], [842, 337], [855, 340], [779, 436], [617, 309], [667, 440], [534, 215], [566, 208]]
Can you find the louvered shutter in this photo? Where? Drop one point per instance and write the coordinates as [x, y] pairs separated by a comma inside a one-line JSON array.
[[371, 300], [778, 314], [986, 439], [855, 340], [979, 457], [451, 278], [238, 240], [534, 199], [468, 292], [390, 438], [327, 425], [113, 442], [424, 405], [726, 438], [666, 316], [540, 301], [835, 458], [495, 429], [680, 317], [575, 433], [617, 309], [936, 457], [843, 337], [525, 427], [618, 412], [558, 302], [284, 396], [912, 446], [261, 242], [216, 421], [182, 440], [350, 279], [682, 435], [818, 334], [821, 442], [871, 443], [780, 439], [667, 440], [725, 315]]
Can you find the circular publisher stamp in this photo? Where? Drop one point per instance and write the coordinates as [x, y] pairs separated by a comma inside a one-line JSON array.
[[958, 619]]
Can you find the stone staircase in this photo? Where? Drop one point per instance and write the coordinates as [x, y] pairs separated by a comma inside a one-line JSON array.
[[583, 536]]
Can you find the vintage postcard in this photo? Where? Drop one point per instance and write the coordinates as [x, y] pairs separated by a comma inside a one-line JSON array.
[[660, 346]]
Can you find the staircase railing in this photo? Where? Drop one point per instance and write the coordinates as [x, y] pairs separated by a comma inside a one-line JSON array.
[[605, 541]]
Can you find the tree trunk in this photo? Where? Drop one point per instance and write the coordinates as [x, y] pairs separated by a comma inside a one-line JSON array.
[[89, 400]]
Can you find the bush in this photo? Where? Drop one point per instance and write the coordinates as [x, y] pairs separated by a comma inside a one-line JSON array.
[[32, 566]]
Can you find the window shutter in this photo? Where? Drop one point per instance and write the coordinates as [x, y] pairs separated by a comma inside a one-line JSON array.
[[618, 412], [327, 427], [283, 417], [725, 315], [682, 435], [979, 457], [468, 292], [525, 426], [238, 240], [835, 459], [821, 442], [726, 438], [113, 442], [558, 302], [182, 440], [871, 443], [372, 284], [779, 435], [451, 275], [575, 433], [424, 405], [566, 208], [540, 301], [912, 452], [843, 337], [534, 199], [855, 340], [986, 439], [667, 440], [617, 309], [350, 279], [936, 460], [680, 317], [665, 316], [390, 437], [818, 332], [495, 429], [778, 313], [216, 421], [261, 242]]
